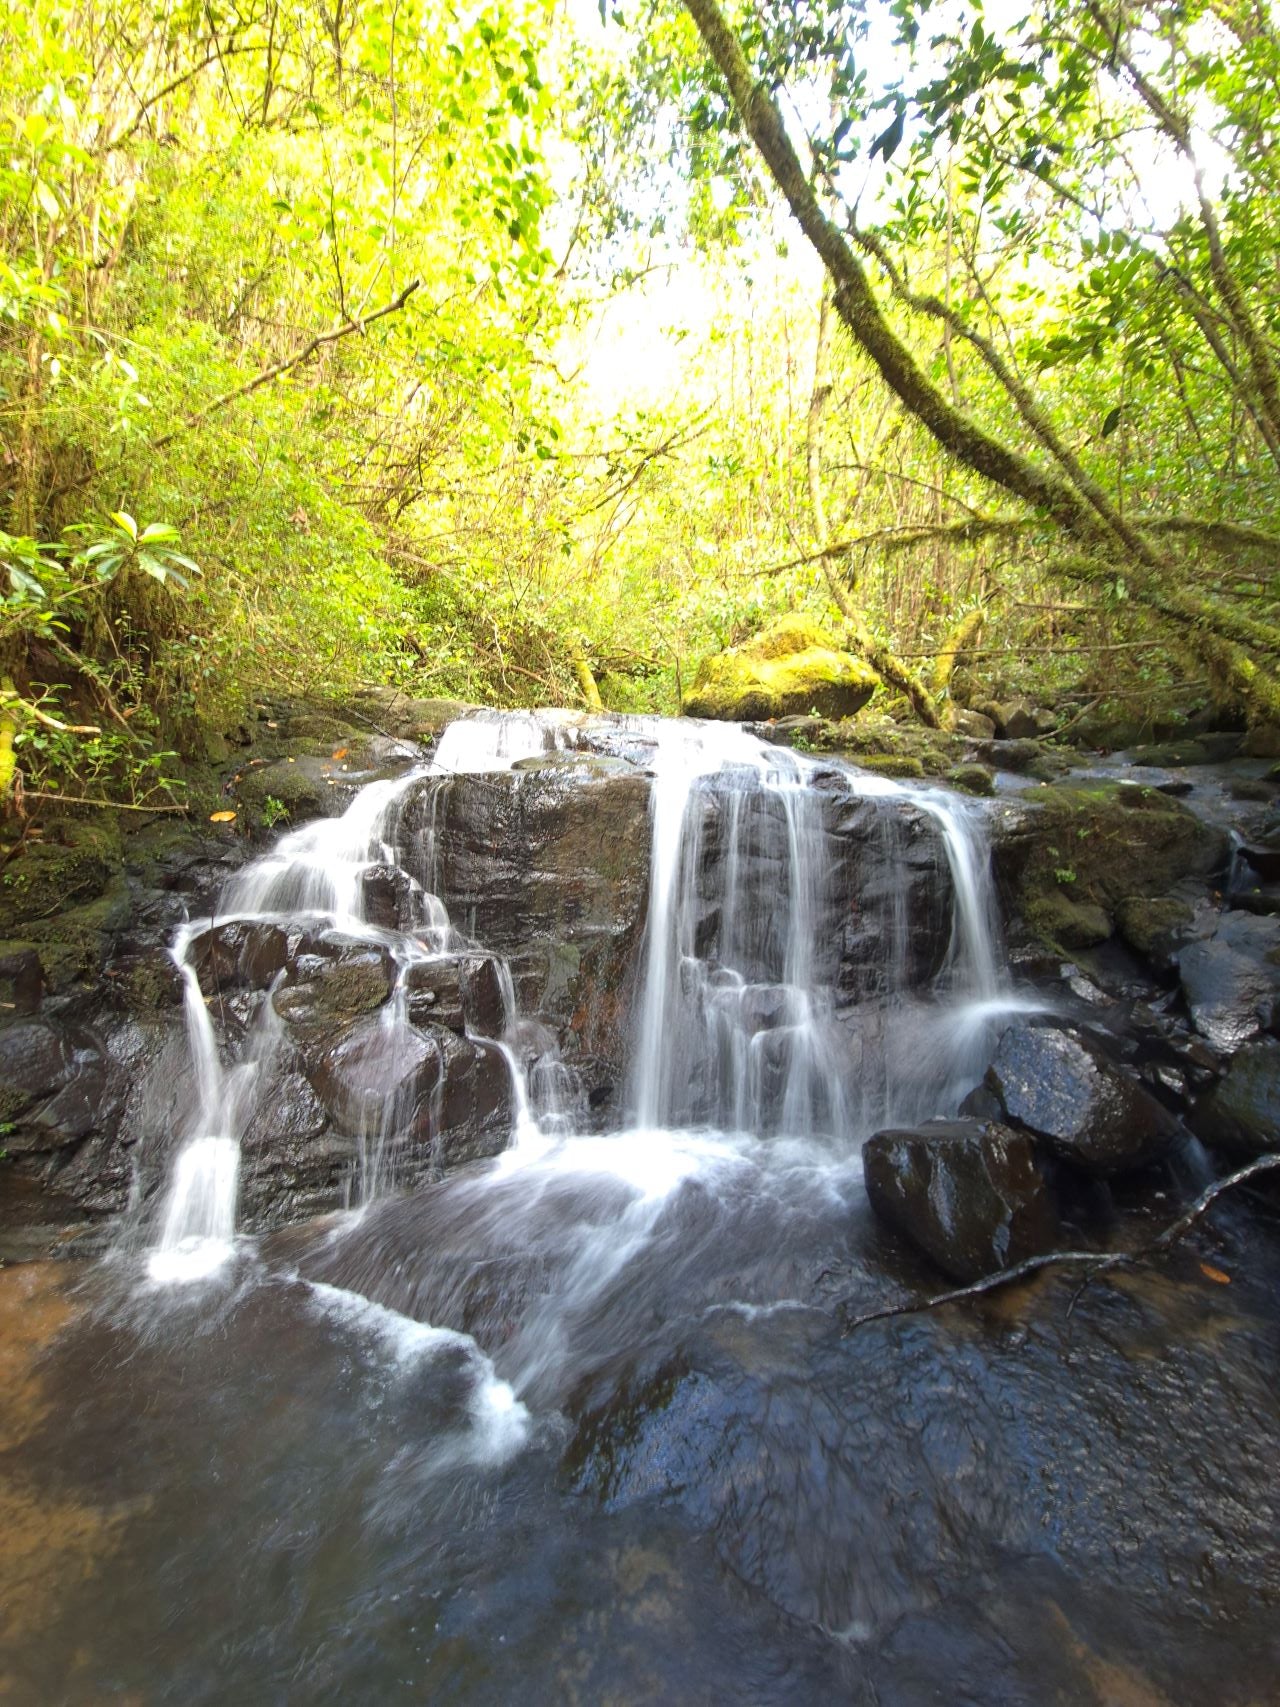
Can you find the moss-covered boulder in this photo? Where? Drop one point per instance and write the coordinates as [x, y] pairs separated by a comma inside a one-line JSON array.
[[790, 668], [1072, 859], [972, 779]]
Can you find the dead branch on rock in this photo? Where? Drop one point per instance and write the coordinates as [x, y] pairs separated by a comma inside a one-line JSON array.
[[1093, 1262]]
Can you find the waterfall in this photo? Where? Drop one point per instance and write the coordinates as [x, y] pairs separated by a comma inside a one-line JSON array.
[[818, 959], [743, 1025]]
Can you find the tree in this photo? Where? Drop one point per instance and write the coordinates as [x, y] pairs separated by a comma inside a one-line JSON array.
[[1027, 147]]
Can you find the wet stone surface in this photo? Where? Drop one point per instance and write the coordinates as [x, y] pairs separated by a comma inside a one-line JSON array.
[[1007, 1502]]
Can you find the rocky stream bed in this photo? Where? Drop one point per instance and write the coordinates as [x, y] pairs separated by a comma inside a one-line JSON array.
[[575, 1416]]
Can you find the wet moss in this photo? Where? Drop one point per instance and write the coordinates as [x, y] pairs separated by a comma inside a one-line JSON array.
[[1087, 851], [891, 764], [790, 669]]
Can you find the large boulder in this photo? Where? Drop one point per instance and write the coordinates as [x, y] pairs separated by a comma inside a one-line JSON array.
[[790, 669], [970, 1194], [1072, 859], [1059, 1085], [1241, 1115], [547, 866]]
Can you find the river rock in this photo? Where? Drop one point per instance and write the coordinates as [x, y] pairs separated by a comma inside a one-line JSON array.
[[790, 669], [389, 898], [242, 952], [354, 980], [430, 1091], [1059, 1085], [548, 867], [1156, 927], [974, 724], [1231, 980], [970, 1194], [1241, 1115]]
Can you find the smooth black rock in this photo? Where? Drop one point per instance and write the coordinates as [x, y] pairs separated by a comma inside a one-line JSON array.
[[1060, 1086], [1231, 981], [241, 951], [969, 1193], [1242, 1114], [388, 898]]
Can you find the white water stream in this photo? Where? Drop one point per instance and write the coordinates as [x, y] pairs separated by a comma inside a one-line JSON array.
[[781, 1015]]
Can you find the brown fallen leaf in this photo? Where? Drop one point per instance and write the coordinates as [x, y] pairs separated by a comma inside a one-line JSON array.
[[1214, 1274], [222, 817], [341, 753]]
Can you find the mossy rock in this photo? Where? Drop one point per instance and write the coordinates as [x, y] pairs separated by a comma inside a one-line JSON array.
[[74, 864], [1069, 922], [1111, 842], [891, 764], [972, 779], [792, 668], [935, 750], [1154, 926]]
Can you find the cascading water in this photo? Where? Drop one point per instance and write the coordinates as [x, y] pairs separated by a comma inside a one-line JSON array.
[[777, 995], [579, 1420]]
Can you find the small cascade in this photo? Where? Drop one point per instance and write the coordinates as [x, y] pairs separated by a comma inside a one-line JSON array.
[[747, 1020], [818, 959]]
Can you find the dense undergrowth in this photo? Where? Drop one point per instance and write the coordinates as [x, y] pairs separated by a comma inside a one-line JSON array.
[[327, 307]]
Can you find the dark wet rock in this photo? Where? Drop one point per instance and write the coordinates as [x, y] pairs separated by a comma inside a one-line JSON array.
[[34, 1063], [242, 952], [981, 1103], [21, 981], [433, 992], [483, 996], [440, 1095], [388, 897], [1231, 980], [1242, 1114], [970, 1194], [548, 868], [375, 1077], [1059, 1085], [56, 1086], [465, 992]]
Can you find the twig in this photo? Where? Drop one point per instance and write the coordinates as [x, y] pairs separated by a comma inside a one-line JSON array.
[[358, 324], [1091, 1260], [111, 805]]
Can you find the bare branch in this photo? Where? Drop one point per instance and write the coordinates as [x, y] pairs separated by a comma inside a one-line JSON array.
[[268, 374], [1091, 1261]]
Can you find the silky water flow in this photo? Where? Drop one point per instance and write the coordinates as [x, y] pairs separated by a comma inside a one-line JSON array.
[[782, 1013], [578, 1422]]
